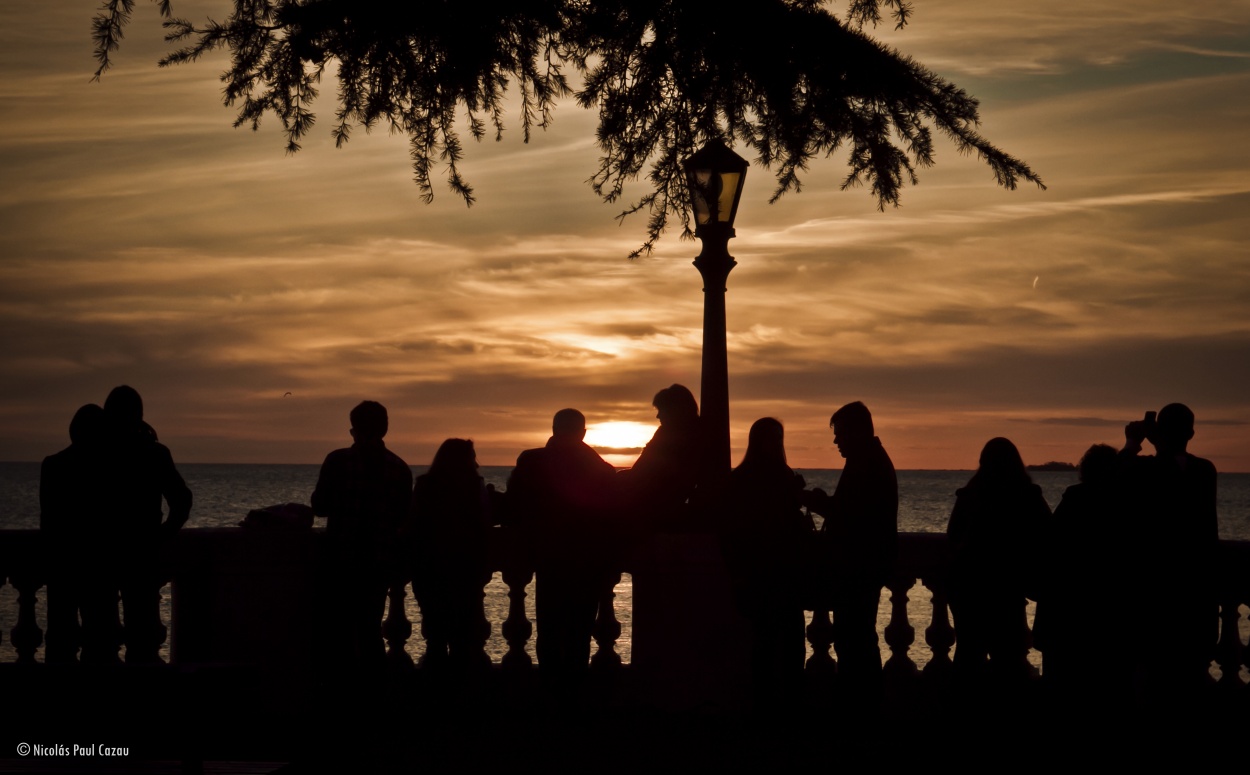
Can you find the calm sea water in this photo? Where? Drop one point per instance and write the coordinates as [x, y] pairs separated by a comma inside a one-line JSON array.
[[224, 493]]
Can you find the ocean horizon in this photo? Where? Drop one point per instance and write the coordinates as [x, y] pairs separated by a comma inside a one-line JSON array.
[[223, 493]]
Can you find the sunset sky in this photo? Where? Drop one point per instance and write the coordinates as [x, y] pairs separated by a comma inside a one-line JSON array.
[[144, 241]]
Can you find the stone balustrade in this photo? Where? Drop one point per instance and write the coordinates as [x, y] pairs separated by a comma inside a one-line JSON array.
[[246, 596]]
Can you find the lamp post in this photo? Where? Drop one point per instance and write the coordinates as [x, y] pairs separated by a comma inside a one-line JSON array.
[[715, 176]]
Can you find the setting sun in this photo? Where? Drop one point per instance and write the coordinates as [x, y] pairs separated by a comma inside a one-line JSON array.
[[619, 442]]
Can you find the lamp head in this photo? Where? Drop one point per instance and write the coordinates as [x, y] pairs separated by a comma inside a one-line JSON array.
[[715, 176]]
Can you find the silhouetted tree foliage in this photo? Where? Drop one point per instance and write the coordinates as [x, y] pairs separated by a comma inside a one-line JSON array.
[[787, 78]]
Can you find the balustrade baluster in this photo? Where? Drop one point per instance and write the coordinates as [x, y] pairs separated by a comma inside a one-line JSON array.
[[607, 628], [820, 635], [26, 635], [1229, 649], [397, 629], [517, 628], [899, 634], [435, 636], [939, 635], [1245, 658], [1245, 650], [480, 658]]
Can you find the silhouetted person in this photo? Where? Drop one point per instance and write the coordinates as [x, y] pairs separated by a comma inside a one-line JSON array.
[[665, 475], [140, 474], [451, 512], [560, 494], [861, 521], [1081, 568], [764, 544], [994, 532], [70, 485], [1170, 501], [365, 492]]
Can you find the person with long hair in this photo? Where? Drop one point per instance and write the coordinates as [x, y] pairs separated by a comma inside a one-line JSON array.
[[139, 475], [79, 573], [764, 542], [665, 475], [451, 514], [1081, 564], [994, 531]]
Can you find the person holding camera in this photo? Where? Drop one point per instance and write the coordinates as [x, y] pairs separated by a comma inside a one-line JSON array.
[[1169, 497]]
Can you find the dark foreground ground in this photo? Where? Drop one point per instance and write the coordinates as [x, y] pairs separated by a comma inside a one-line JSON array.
[[231, 720]]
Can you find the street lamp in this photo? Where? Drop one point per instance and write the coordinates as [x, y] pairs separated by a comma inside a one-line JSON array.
[[715, 176]]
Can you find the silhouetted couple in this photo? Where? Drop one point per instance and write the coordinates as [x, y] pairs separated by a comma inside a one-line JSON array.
[[382, 530], [768, 546], [773, 568], [579, 516], [101, 516]]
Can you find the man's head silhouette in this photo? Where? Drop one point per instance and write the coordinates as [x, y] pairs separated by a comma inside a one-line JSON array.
[[852, 428], [369, 421], [569, 423]]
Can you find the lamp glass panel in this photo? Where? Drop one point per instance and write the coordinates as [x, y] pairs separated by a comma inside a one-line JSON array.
[[729, 188], [707, 194]]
